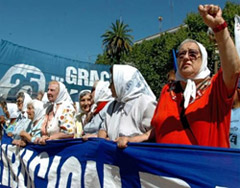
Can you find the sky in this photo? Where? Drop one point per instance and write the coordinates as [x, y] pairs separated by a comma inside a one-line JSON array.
[[73, 28]]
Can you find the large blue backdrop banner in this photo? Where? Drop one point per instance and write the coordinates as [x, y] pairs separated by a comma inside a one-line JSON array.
[[30, 70], [99, 163]]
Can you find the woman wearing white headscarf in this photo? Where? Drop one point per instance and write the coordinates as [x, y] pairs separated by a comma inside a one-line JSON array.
[[13, 114], [85, 102], [22, 100], [36, 114], [45, 100], [196, 109], [59, 119], [101, 95], [22, 122], [130, 114]]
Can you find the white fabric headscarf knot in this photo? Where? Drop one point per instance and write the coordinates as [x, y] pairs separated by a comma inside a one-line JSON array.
[[63, 96], [39, 111], [190, 89], [129, 83]]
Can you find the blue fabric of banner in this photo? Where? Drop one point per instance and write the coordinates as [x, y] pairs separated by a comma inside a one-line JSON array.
[[197, 166]]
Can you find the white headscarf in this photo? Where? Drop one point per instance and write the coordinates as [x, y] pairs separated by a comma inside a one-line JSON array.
[[26, 100], [129, 83], [102, 92], [39, 111], [13, 110], [45, 98], [63, 96], [190, 90]]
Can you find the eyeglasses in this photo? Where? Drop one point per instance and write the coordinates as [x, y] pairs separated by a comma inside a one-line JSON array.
[[193, 54], [19, 101]]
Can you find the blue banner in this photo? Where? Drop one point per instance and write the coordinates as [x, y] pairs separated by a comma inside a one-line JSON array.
[[25, 69], [174, 60], [99, 163]]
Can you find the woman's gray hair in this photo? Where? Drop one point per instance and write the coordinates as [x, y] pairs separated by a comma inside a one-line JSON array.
[[189, 40], [21, 94], [83, 93]]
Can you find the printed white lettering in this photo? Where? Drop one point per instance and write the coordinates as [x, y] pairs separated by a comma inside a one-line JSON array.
[[13, 153], [104, 75], [5, 172], [52, 175], [71, 75], [43, 160], [91, 178], [24, 172], [71, 166], [154, 181], [111, 177], [93, 77], [83, 77]]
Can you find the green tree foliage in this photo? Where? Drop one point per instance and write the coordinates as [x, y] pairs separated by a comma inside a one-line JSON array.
[[117, 41], [154, 58], [103, 59], [229, 12]]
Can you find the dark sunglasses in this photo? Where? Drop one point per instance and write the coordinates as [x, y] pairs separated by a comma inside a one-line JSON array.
[[19, 101], [193, 54]]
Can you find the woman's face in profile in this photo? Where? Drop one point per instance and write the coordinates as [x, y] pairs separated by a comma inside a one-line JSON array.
[[30, 111], [112, 87]]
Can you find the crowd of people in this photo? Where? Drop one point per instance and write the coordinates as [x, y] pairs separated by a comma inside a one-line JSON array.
[[193, 108]]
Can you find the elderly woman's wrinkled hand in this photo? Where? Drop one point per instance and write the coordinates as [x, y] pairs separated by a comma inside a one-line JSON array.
[[23, 134], [122, 141], [41, 140], [19, 143], [10, 134], [87, 136], [211, 14]]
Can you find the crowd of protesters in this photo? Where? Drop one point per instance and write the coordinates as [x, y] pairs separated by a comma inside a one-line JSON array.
[[193, 108]]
